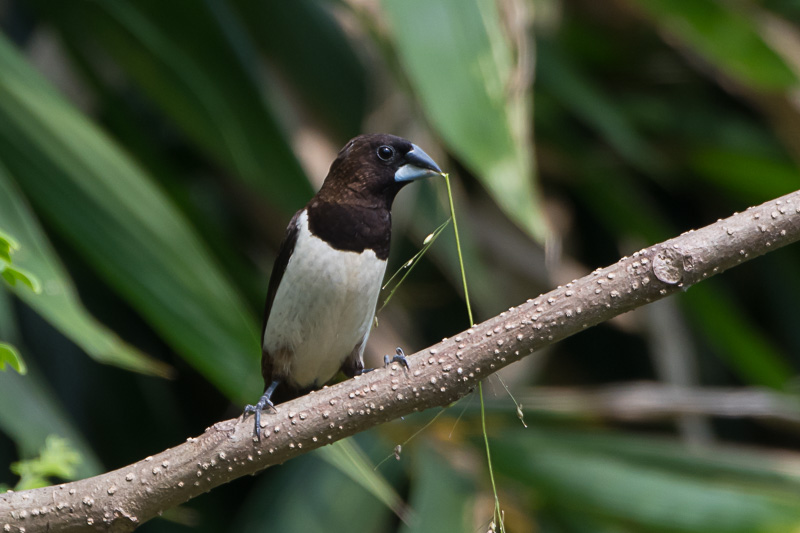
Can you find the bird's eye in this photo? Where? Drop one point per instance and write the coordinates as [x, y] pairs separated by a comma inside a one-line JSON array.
[[385, 152]]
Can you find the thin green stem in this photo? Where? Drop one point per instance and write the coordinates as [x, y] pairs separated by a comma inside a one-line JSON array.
[[409, 439], [409, 265], [458, 247], [498, 515], [497, 512]]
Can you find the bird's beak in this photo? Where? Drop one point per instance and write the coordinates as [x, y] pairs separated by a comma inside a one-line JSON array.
[[418, 165]]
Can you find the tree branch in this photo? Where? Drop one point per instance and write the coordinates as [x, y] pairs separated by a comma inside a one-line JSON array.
[[648, 401], [125, 498]]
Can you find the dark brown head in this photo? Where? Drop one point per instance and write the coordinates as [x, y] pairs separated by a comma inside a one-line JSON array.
[[371, 169], [352, 210]]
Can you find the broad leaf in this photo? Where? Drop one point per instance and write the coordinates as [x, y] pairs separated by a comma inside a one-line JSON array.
[[200, 73], [59, 303], [124, 226], [470, 91], [726, 37]]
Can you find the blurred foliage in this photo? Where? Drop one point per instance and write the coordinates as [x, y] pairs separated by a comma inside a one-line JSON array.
[[10, 356], [11, 275], [151, 154], [56, 460]]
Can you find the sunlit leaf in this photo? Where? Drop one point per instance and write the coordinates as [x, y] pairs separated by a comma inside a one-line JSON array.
[[57, 459], [7, 245], [467, 89], [10, 356], [12, 275]]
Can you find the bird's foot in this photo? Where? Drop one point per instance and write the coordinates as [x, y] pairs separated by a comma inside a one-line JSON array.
[[256, 409], [399, 357]]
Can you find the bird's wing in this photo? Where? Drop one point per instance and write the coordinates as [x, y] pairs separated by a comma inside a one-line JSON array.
[[286, 249]]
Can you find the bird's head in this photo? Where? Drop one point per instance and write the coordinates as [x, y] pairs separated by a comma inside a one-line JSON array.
[[375, 167]]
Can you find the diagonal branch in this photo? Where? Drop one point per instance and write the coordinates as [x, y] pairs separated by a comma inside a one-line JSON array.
[[646, 401], [125, 498]]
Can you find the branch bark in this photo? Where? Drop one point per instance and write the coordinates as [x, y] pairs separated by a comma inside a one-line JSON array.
[[125, 498], [648, 401]]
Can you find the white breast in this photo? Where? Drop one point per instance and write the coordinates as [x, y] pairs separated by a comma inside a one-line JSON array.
[[323, 308]]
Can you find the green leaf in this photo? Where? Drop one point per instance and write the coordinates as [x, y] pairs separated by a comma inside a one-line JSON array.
[[10, 356], [752, 467], [124, 226], [731, 170], [196, 63], [443, 496], [31, 410], [351, 461], [7, 244], [607, 484], [576, 92], [746, 349], [307, 494], [13, 274], [58, 459], [468, 92], [59, 304], [726, 36], [305, 42]]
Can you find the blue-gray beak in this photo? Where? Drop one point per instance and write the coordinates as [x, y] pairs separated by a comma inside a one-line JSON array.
[[418, 165]]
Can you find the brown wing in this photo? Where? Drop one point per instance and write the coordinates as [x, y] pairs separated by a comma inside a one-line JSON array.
[[284, 253]]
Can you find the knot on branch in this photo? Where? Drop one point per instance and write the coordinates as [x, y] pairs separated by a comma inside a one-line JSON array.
[[672, 266]]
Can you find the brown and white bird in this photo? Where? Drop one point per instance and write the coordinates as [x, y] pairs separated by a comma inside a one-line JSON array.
[[327, 276]]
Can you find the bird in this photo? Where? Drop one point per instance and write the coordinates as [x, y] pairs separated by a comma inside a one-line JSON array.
[[327, 276]]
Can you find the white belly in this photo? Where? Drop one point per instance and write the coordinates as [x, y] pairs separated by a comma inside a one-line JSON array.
[[323, 308]]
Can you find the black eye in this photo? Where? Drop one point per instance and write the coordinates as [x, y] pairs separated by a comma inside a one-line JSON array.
[[385, 152]]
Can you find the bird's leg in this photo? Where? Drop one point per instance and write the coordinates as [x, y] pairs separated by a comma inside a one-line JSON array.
[[399, 357], [263, 402]]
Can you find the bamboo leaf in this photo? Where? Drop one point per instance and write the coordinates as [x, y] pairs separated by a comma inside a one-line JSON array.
[[124, 226], [466, 89], [443, 496], [746, 349], [726, 37], [30, 410], [350, 460], [306, 44], [200, 74], [608, 485], [280, 502], [59, 303]]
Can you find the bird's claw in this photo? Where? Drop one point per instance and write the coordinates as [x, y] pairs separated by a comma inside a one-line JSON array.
[[256, 409], [399, 357]]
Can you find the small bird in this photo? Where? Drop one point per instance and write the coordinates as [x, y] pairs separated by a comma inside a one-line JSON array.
[[327, 276]]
